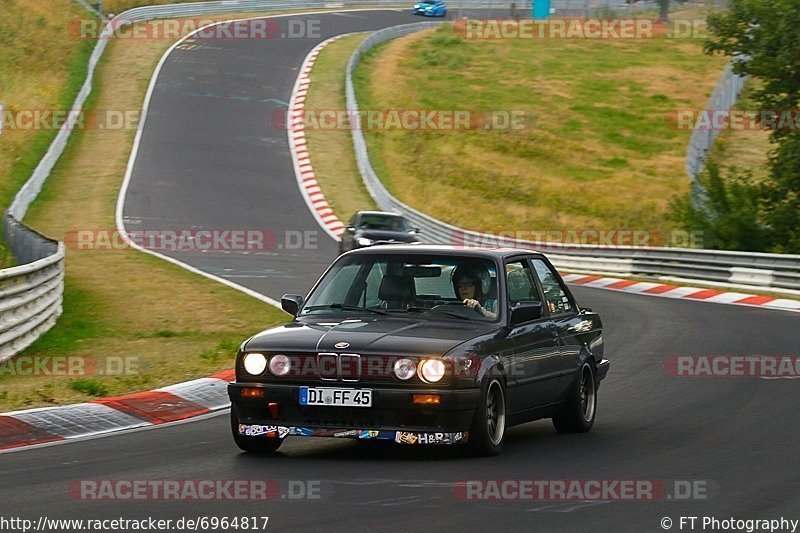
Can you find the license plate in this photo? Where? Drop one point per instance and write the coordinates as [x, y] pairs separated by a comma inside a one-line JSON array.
[[333, 397]]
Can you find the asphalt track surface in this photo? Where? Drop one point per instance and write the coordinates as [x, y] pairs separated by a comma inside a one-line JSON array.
[[737, 436], [214, 153]]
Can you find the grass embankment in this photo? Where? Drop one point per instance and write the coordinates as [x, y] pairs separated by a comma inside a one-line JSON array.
[[332, 154], [743, 147], [123, 303], [42, 67], [597, 150], [331, 148]]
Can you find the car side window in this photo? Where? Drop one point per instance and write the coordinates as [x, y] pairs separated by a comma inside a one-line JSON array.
[[520, 283], [555, 296]]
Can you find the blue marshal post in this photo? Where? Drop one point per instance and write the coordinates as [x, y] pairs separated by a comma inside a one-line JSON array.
[[541, 9]]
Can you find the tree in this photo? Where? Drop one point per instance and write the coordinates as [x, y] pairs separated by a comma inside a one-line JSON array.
[[762, 38], [729, 220]]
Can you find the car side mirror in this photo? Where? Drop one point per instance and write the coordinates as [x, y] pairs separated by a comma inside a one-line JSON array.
[[292, 303], [525, 311], [417, 230], [350, 229]]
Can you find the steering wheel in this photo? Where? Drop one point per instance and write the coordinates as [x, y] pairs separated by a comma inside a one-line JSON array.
[[455, 307]]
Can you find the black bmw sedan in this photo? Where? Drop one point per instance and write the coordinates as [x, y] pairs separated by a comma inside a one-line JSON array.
[[422, 345], [367, 228]]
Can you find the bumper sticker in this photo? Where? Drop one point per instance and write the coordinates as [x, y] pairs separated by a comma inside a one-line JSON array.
[[402, 437]]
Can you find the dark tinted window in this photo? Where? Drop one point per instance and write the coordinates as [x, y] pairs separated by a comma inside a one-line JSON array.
[[520, 283], [555, 296], [383, 223]]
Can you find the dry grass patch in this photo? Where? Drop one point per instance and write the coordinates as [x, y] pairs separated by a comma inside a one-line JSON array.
[[596, 150], [745, 149]]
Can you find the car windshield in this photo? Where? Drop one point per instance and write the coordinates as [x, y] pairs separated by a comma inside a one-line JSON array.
[[430, 286], [383, 223]]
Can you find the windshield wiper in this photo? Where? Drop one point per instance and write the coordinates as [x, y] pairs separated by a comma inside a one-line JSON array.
[[345, 307], [413, 309]]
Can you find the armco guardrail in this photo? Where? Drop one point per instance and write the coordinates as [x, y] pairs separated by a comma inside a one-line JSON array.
[[720, 103], [773, 271], [31, 293]]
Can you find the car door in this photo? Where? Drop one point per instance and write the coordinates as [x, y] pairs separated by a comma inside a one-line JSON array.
[[534, 359], [565, 318]]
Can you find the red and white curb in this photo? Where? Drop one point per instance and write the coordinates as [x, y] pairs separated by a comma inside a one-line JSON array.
[[685, 293], [303, 169], [106, 415]]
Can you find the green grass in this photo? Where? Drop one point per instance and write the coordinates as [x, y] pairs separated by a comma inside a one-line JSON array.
[[595, 150], [39, 69], [91, 387]]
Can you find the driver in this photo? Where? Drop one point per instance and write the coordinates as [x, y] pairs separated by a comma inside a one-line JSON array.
[[469, 283]]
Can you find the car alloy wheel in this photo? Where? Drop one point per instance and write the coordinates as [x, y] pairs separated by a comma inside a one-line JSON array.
[[588, 392], [488, 431], [495, 412], [577, 413]]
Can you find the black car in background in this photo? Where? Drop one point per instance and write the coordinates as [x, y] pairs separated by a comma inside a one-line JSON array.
[[422, 345], [367, 228]]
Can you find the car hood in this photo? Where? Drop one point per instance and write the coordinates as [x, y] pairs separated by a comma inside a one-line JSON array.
[[380, 235], [374, 336]]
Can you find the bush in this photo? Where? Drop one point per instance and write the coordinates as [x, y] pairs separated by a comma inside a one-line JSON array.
[[729, 219]]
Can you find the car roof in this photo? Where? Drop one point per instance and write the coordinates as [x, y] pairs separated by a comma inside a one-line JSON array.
[[388, 213], [391, 249]]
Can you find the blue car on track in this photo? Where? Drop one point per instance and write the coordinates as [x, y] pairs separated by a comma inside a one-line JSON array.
[[430, 8]]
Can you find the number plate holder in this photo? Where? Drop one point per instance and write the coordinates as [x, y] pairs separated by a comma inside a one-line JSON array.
[[335, 397]]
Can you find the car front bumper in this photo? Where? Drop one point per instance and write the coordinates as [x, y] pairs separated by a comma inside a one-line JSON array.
[[393, 415]]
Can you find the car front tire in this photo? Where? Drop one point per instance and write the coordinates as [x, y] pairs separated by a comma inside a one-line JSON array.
[[252, 444], [488, 431], [578, 412]]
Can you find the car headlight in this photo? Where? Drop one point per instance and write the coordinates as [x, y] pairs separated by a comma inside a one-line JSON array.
[[405, 369], [362, 241], [279, 365], [255, 363], [431, 370]]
